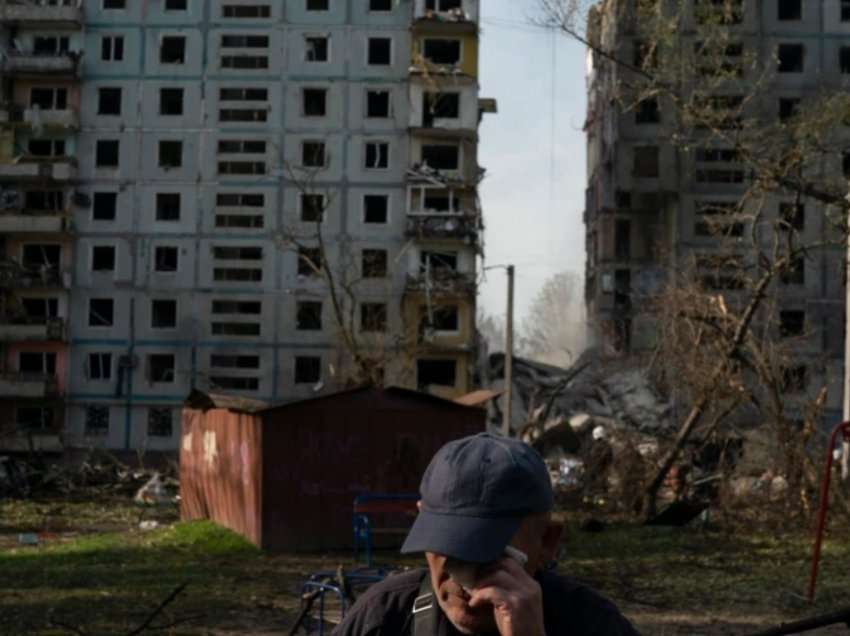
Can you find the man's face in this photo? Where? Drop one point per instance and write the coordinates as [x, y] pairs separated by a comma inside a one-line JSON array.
[[537, 537]]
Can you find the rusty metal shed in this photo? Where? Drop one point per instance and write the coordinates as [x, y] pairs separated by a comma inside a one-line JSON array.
[[285, 476]]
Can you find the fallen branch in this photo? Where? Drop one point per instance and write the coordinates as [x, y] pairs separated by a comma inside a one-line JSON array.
[[165, 603], [808, 624]]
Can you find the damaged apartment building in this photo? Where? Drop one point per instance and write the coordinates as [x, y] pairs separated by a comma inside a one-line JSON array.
[[650, 204], [158, 156]]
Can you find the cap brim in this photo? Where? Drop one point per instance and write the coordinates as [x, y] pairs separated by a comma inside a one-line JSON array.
[[475, 539]]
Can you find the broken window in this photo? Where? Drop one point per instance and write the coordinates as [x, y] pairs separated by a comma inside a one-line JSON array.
[[439, 106], [374, 263], [170, 101], [312, 207], [315, 102], [167, 206], [160, 422], [176, 5], [44, 200], [165, 258], [442, 51], [40, 256], [441, 156], [309, 261], [249, 307], [108, 101], [845, 163], [112, 48], [97, 420], [161, 367], [788, 107], [33, 418], [245, 62], [238, 217], [316, 48], [380, 51], [308, 315], [380, 5], [172, 49], [647, 111], [377, 104], [444, 319], [49, 98], [235, 328], [791, 58], [317, 5], [622, 288], [646, 162], [246, 11], [377, 155], [845, 10], [794, 273], [789, 9], [103, 258], [792, 216], [373, 317], [240, 253], [36, 363], [100, 366], [106, 153], [46, 147], [104, 206], [170, 154], [375, 208], [791, 323], [435, 372], [720, 11], [114, 4], [101, 312], [163, 314], [50, 44], [441, 203], [41, 308], [795, 379], [434, 261], [313, 154], [622, 239], [308, 369]]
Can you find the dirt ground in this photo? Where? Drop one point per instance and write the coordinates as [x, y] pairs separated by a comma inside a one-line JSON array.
[[94, 570]]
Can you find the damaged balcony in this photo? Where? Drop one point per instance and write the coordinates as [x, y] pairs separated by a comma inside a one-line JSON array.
[[443, 282], [16, 276], [25, 329], [443, 226], [15, 115], [460, 15], [34, 222], [63, 64], [39, 168], [24, 385], [60, 15]]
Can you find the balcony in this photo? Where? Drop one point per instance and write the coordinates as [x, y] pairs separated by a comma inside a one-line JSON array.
[[39, 168], [443, 226], [40, 441], [451, 14], [22, 385], [16, 276], [31, 14], [17, 63], [441, 282], [14, 329], [33, 222], [15, 115]]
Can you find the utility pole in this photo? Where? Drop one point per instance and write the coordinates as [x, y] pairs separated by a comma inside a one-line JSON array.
[[509, 356]]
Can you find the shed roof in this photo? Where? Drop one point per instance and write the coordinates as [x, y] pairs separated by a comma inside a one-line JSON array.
[[206, 401]]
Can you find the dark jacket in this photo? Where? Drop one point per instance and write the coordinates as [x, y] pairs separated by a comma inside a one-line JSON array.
[[569, 608]]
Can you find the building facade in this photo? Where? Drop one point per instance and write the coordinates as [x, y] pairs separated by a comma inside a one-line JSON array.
[[209, 154], [651, 203]]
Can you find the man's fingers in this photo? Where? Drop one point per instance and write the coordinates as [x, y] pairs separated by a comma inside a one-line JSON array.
[[495, 596]]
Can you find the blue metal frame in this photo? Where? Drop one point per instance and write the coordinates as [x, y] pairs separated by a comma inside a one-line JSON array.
[[362, 527], [355, 577]]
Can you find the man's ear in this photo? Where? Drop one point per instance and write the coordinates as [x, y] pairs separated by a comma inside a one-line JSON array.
[[551, 540], [419, 505]]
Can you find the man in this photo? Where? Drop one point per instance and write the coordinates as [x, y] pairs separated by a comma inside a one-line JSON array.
[[486, 503]]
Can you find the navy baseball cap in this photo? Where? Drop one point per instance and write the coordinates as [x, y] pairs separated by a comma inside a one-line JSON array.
[[475, 494]]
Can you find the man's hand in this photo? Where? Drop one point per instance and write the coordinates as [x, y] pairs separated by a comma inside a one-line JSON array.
[[516, 599]]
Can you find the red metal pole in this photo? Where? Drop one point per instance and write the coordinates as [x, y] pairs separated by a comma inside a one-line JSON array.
[[843, 428]]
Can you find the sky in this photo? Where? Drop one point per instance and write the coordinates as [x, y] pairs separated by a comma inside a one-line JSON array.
[[533, 192]]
